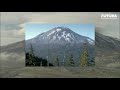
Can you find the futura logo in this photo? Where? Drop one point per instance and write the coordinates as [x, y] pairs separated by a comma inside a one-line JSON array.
[[109, 16]]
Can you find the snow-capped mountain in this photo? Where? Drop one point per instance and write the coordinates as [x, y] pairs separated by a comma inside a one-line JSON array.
[[104, 45], [60, 35], [59, 41]]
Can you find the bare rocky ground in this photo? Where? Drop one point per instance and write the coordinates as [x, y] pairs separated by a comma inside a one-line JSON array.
[[60, 72], [12, 66]]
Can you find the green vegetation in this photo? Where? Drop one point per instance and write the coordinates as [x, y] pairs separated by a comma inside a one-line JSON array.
[[32, 60], [84, 56], [56, 63], [71, 61]]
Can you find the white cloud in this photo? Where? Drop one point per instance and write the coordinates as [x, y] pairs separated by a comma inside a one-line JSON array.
[[11, 36], [10, 60], [12, 23]]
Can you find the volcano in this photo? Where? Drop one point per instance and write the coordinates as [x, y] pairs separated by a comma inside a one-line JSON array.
[[61, 42]]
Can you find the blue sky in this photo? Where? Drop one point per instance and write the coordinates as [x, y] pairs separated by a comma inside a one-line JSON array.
[[32, 30]]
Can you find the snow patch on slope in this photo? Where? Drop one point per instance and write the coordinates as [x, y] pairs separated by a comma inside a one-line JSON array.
[[59, 29], [51, 33], [90, 41]]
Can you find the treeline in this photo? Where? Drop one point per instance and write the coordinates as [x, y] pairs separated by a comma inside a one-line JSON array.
[[32, 60]]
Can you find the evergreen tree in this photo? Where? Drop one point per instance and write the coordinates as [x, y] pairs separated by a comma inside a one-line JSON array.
[[41, 63], [84, 56], [92, 61], [44, 62], [56, 61], [31, 56], [31, 50], [32, 60], [27, 59], [71, 61]]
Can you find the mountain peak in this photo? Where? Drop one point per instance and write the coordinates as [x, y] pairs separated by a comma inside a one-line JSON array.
[[62, 28], [61, 35]]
